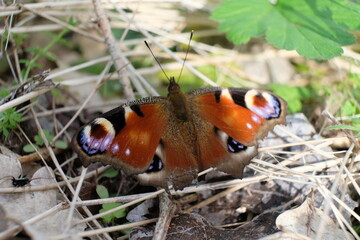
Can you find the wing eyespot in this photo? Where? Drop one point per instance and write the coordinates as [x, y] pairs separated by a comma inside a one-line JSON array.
[[263, 104], [235, 146], [155, 165], [96, 137]]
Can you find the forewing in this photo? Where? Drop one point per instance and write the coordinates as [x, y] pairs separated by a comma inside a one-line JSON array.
[[125, 137]]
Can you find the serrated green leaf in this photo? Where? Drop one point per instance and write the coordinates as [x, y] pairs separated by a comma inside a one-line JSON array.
[[61, 144], [17, 117], [315, 29], [12, 122], [102, 191], [28, 148], [110, 173]]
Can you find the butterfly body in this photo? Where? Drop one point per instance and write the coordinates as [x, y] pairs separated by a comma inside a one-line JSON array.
[[168, 140]]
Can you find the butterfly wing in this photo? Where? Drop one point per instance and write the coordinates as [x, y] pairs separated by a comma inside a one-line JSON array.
[[125, 137], [239, 117]]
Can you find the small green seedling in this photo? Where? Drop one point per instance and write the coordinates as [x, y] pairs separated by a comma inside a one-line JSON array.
[[39, 142], [104, 193], [9, 120], [110, 173]]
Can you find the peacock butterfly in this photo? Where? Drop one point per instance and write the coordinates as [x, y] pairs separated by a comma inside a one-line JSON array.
[[168, 140]]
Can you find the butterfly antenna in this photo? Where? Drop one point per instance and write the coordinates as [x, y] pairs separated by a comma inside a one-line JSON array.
[[186, 54], [147, 45]]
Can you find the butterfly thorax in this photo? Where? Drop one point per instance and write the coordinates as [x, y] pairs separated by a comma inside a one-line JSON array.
[[178, 101]]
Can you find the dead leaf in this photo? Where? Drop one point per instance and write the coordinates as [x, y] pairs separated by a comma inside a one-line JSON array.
[[306, 219], [21, 206]]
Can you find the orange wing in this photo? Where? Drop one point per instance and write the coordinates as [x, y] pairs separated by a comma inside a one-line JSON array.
[[243, 114], [126, 137]]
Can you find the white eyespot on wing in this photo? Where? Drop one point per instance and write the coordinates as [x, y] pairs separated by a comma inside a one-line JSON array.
[[263, 104], [256, 118], [249, 126], [127, 152], [114, 148]]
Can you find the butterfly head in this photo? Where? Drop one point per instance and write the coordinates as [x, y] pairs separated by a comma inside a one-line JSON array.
[[173, 87]]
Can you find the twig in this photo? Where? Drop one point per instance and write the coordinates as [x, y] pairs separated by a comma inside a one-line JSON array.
[[113, 50], [35, 156], [167, 211], [75, 197], [22, 99]]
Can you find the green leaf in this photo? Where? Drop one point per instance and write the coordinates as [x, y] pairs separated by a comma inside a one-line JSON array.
[[117, 214], [38, 140], [50, 58], [48, 135], [5, 131], [348, 108], [106, 218], [110, 173], [61, 144], [33, 49], [355, 120], [110, 88], [315, 29], [353, 128], [293, 95], [8, 120], [4, 92], [24, 61], [28, 148], [102, 191]]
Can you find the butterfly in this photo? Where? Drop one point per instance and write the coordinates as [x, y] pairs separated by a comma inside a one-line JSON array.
[[167, 140]]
